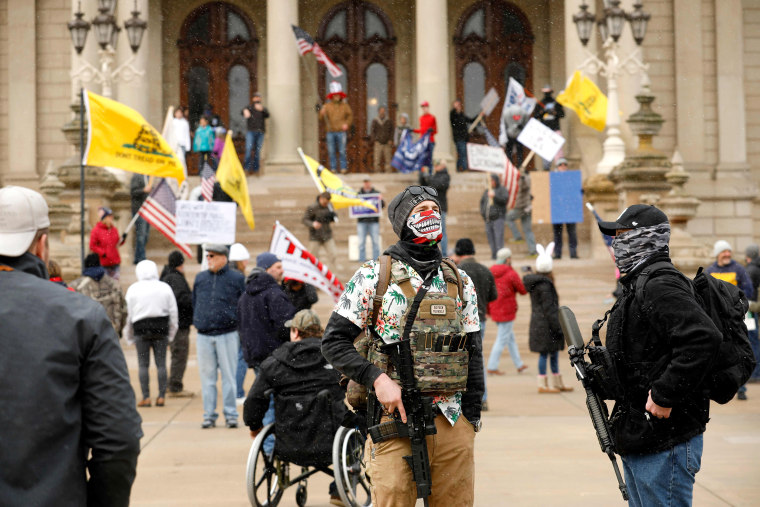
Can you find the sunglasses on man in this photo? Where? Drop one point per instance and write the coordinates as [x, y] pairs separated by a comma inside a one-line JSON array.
[[417, 190]]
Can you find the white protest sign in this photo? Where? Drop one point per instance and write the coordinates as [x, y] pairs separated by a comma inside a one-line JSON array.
[[541, 139], [481, 157], [206, 222], [489, 101]]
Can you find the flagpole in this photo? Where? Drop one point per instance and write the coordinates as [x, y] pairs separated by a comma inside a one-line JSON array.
[[81, 175]]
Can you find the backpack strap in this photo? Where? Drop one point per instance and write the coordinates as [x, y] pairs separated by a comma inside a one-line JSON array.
[[646, 274], [451, 276], [384, 278]]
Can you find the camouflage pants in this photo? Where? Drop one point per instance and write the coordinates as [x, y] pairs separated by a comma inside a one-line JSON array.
[[452, 467]]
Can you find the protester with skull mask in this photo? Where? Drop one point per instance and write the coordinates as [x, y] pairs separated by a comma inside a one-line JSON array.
[[415, 260]]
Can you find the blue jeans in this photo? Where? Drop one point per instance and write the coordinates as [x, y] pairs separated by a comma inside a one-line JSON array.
[[143, 347], [525, 218], [755, 343], [242, 369], [553, 362], [142, 230], [495, 235], [268, 416], [663, 478], [336, 143], [253, 141], [362, 230], [461, 155], [504, 337], [218, 352]]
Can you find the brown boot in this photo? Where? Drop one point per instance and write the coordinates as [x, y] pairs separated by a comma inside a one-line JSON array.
[[557, 383], [543, 385], [144, 403]]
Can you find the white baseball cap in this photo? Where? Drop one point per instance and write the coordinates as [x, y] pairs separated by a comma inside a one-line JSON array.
[[23, 212]]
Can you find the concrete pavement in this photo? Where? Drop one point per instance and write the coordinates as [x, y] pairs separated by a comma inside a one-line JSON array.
[[534, 449]]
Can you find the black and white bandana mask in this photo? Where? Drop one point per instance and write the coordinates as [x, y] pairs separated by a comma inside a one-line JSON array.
[[633, 247], [426, 227]]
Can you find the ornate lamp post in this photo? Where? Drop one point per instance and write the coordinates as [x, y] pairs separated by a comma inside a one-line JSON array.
[[611, 26], [107, 34]]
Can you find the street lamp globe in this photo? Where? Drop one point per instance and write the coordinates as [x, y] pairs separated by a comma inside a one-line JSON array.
[[584, 23], [115, 36], [615, 17], [106, 6], [603, 32], [135, 29], [104, 24], [638, 19], [78, 29]]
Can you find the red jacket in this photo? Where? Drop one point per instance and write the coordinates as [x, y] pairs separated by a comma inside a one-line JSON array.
[[508, 283], [427, 121], [105, 243]]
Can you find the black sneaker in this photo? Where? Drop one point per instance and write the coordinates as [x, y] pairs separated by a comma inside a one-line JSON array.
[[208, 423], [232, 424], [741, 395]]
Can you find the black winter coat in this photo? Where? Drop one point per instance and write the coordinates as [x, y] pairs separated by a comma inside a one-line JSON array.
[[301, 299], [545, 332], [753, 271], [666, 344], [439, 180], [295, 368], [317, 213], [70, 428], [182, 294], [484, 282], [262, 311], [498, 209]]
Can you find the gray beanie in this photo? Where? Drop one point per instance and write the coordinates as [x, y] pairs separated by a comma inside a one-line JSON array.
[[403, 203], [752, 251]]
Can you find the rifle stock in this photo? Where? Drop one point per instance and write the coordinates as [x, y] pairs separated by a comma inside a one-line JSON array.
[[597, 409]]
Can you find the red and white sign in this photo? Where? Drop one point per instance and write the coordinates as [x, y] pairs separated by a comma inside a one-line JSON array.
[[300, 264]]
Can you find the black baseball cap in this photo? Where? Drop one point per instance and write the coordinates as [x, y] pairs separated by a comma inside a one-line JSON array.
[[633, 217]]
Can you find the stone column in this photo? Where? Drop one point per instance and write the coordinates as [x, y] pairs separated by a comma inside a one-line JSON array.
[[432, 60], [283, 97], [22, 89]]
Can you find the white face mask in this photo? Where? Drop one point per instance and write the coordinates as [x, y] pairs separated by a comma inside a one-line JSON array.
[[426, 226]]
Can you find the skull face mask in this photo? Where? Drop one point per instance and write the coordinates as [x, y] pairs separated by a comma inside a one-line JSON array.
[[426, 227]]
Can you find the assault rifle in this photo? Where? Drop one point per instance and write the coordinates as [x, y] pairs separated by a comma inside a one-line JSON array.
[[592, 375], [420, 419]]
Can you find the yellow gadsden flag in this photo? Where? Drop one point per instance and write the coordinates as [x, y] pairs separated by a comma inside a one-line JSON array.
[[341, 195], [583, 97], [118, 136], [231, 178]]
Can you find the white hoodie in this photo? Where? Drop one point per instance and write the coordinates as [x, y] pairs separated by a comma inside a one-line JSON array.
[[149, 297]]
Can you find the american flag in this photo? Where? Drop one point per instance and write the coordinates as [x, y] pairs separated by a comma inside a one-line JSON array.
[[511, 174], [160, 211], [208, 178], [306, 44]]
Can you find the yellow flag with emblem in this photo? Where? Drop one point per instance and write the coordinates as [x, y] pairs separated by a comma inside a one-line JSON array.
[[341, 196], [231, 178], [589, 103], [118, 136]]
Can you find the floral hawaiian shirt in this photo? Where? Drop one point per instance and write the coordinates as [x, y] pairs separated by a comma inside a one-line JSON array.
[[355, 304]]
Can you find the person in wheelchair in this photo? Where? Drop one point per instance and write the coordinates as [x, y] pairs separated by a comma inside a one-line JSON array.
[[309, 404]]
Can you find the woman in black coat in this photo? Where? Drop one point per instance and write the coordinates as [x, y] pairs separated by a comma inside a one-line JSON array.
[[545, 336]]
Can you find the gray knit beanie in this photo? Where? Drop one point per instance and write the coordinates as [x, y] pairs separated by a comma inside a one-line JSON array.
[[403, 203]]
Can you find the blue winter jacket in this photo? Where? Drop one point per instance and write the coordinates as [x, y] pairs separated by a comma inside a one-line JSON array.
[[262, 311], [215, 297], [734, 273]]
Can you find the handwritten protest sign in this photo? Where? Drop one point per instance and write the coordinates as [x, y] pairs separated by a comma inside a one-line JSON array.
[[206, 222], [481, 157], [541, 139]]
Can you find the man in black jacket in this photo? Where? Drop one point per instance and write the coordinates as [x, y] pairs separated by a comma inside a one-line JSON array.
[[255, 116], [139, 188], [440, 181], [318, 217], [174, 275], [662, 344], [71, 432], [460, 123]]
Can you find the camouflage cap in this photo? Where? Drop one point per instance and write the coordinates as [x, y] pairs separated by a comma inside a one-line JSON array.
[[306, 321]]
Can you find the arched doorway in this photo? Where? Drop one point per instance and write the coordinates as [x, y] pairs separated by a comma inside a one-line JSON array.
[[493, 41], [358, 37], [217, 54]]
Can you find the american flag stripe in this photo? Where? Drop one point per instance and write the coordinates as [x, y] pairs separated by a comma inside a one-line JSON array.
[[321, 57], [159, 211], [208, 178], [303, 40]]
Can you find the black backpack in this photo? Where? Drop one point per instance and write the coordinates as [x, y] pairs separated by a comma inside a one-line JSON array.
[[727, 306]]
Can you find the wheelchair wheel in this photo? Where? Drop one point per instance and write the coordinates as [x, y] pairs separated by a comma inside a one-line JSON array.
[[349, 468], [301, 495], [265, 476]]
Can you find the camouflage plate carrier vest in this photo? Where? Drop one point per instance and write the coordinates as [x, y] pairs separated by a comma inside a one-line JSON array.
[[439, 344]]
